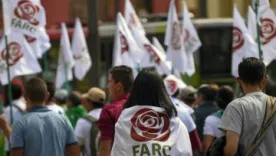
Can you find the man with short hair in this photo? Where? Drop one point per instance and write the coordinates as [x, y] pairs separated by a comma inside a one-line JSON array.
[[243, 117], [119, 85], [188, 96], [41, 132], [93, 101], [206, 96], [50, 102]]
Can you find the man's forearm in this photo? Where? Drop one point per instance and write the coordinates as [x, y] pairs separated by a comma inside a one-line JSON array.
[[7, 132], [229, 150], [105, 148]]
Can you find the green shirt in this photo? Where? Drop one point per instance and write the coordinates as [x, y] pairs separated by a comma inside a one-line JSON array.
[[73, 114]]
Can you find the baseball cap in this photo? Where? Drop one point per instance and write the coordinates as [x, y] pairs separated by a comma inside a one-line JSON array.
[[95, 94], [187, 92], [61, 94], [173, 84]]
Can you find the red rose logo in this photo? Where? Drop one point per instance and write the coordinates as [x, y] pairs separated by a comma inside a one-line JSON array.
[[15, 53], [187, 35], [148, 124], [153, 53], [26, 10], [124, 43], [176, 44], [172, 86], [238, 40], [268, 30], [30, 39]]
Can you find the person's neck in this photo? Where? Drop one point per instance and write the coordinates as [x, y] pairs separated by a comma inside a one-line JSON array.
[[50, 103], [119, 95], [251, 89]]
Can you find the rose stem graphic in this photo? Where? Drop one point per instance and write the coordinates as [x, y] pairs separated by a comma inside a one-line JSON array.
[[9, 78], [258, 29]]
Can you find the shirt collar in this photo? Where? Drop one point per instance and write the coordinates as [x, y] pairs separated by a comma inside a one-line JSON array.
[[124, 96], [39, 109]]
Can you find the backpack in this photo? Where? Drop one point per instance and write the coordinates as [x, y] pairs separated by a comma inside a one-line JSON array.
[[94, 135], [217, 147]]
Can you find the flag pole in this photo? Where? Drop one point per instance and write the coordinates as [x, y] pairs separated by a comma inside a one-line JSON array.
[[257, 3], [45, 63], [67, 85], [9, 78]]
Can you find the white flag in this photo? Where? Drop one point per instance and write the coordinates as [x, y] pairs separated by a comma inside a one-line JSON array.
[[126, 51], [158, 45], [251, 23], [191, 40], [263, 6], [268, 35], [243, 45], [80, 50], [22, 60], [145, 130], [6, 16], [174, 40], [25, 16], [66, 60], [152, 57], [132, 19]]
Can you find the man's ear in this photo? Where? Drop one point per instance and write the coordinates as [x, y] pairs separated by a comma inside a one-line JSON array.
[[238, 80], [47, 96]]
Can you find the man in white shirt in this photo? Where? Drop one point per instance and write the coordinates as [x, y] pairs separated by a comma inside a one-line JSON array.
[[92, 101], [50, 103]]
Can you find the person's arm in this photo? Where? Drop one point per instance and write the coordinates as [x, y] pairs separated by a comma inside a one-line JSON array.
[[107, 129], [105, 147], [17, 152], [207, 141], [72, 150], [5, 127], [232, 142]]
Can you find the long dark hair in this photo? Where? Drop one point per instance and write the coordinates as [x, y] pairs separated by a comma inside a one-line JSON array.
[[149, 90]]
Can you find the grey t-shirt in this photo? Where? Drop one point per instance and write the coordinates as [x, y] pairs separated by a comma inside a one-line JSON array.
[[245, 116]]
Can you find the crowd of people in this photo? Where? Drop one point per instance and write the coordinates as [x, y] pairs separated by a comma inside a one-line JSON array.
[[148, 116]]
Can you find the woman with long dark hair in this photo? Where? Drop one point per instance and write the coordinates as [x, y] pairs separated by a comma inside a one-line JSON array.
[[149, 123]]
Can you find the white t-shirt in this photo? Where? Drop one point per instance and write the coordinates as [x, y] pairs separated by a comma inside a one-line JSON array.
[[211, 126], [184, 114], [56, 108], [82, 131]]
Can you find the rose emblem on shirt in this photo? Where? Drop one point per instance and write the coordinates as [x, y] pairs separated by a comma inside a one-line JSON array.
[[147, 124], [26, 10]]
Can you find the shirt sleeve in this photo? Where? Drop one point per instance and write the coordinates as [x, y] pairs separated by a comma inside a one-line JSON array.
[[17, 138], [71, 138], [232, 118], [106, 125], [187, 119], [210, 126]]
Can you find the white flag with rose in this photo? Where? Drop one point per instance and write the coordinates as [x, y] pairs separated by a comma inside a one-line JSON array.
[[243, 45], [146, 130], [22, 60]]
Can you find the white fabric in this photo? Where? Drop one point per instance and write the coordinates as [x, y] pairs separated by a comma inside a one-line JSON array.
[[170, 137], [158, 45], [251, 23], [268, 35], [173, 84], [82, 131], [132, 19], [22, 59], [184, 114], [243, 45], [211, 126], [6, 16], [56, 108], [125, 51], [66, 61], [152, 56], [80, 51], [191, 39], [24, 16], [174, 40]]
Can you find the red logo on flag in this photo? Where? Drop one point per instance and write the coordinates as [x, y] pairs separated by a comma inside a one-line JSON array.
[[176, 44], [124, 43], [15, 53], [268, 30], [238, 40], [26, 10], [153, 53], [186, 35], [172, 86], [30, 39], [148, 124]]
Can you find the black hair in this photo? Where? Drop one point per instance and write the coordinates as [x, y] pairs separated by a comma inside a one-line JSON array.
[[36, 90], [75, 98], [124, 75], [16, 91], [252, 71], [96, 104], [51, 90], [149, 90], [224, 96], [207, 93]]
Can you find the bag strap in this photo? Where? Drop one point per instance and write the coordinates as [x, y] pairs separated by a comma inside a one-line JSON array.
[[268, 119], [90, 118]]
